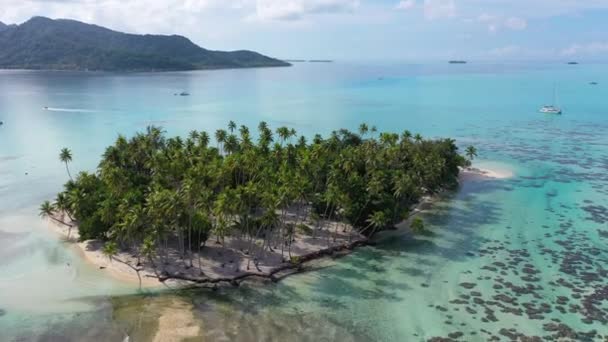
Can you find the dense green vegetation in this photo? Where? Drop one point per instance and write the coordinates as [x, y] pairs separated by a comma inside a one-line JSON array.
[[42, 43], [151, 191]]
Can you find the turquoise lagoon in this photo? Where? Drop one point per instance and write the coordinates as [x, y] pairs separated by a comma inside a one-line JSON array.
[[524, 256]]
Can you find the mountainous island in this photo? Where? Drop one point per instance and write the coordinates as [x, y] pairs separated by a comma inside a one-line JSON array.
[[43, 43]]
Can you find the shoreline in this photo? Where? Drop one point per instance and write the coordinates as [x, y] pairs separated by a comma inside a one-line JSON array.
[[228, 265], [474, 172], [217, 266], [91, 252]]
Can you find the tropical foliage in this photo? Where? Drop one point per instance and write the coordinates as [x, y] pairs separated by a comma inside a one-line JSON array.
[[150, 191], [417, 225], [471, 153], [65, 156]]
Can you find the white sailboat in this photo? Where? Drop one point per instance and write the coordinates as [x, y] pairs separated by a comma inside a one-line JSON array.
[[554, 108]]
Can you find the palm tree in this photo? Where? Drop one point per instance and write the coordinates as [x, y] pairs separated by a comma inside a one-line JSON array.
[[406, 135], [194, 135], [203, 139], [417, 225], [220, 137], [243, 131], [62, 204], [65, 156], [377, 220], [231, 145], [471, 152], [47, 210], [231, 126], [363, 129], [262, 126], [110, 249], [153, 193], [284, 133]]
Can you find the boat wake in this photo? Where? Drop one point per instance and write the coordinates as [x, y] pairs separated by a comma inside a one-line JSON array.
[[71, 110]]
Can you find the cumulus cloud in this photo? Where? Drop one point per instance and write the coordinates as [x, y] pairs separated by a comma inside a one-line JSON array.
[[485, 17], [495, 22], [506, 51], [437, 9], [589, 49], [515, 23], [406, 5], [297, 9], [133, 15]]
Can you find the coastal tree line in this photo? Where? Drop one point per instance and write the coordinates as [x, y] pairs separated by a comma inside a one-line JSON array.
[[151, 192]]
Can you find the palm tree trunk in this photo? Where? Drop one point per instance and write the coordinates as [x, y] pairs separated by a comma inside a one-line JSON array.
[[190, 241], [68, 170], [200, 266], [331, 214]]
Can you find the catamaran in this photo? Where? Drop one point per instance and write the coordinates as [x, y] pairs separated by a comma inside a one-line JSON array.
[[552, 109]]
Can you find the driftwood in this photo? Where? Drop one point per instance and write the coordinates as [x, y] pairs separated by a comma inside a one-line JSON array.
[[296, 265]]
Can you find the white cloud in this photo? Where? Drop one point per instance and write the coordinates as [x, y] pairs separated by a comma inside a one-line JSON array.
[[506, 51], [496, 22], [297, 9], [515, 23], [406, 5], [485, 17], [589, 49], [131, 15], [438, 9]]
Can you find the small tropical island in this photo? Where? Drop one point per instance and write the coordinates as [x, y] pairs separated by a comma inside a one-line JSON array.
[[195, 212], [61, 44]]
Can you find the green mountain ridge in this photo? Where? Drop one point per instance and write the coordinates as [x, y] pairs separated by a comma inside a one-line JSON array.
[[62, 44]]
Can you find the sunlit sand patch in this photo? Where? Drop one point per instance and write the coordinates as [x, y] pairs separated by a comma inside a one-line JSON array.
[[176, 323], [92, 252], [488, 171]]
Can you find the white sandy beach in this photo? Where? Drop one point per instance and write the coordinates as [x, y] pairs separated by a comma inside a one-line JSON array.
[[485, 172], [91, 251], [217, 261]]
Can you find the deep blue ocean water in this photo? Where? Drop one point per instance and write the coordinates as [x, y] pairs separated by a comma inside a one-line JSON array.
[[526, 253]]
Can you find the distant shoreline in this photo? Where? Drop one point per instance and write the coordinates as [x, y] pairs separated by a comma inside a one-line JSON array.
[[42, 43], [134, 71]]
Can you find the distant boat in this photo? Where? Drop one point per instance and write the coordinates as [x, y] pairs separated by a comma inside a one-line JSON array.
[[550, 110], [573, 63], [184, 93], [593, 83], [1, 123], [457, 62], [554, 108]]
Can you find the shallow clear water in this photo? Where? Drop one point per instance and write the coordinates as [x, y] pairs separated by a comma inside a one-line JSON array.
[[502, 255]]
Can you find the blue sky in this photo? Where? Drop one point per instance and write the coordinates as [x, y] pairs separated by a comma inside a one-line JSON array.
[[410, 30]]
